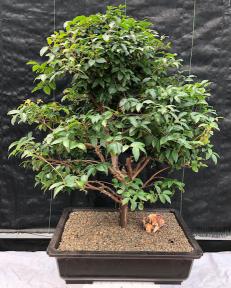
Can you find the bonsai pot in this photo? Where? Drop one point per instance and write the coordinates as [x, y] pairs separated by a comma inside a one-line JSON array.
[[88, 266]]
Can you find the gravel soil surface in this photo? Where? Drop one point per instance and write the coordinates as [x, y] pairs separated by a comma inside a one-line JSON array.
[[99, 231]]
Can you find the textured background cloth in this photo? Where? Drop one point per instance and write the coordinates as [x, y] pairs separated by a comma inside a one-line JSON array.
[[24, 26], [37, 270]]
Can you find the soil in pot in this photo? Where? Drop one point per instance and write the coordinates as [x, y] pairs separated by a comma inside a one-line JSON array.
[[99, 231]]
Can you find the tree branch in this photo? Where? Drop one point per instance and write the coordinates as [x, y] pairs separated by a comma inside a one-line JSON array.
[[139, 164], [158, 177], [114, 161], [129, 167], [103, 191], [43, 121], [115, 169], [141, 168], [154, 176], [102, 184], [97, 105], [53, 168], [55, 161], [99, 154]]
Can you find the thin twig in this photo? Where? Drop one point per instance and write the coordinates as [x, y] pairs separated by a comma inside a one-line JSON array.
[[141, 168], [153, 176], [67, 161], [48, 126], [53, 168], [103, 191], [139, 164]]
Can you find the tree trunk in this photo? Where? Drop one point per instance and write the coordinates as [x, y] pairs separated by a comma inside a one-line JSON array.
[[123, 215]]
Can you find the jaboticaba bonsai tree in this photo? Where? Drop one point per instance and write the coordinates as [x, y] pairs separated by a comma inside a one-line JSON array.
[[126, 106]]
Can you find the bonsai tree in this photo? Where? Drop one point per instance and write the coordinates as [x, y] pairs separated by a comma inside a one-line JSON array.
[[126, 106]]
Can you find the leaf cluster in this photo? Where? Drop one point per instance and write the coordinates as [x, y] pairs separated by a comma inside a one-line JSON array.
[[127, 106]]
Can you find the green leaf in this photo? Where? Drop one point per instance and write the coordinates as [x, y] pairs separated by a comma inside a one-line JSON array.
[[81, 146], [100, 60], [41, 77], [125, 148], [115, 148], [57, 184], [120, 191], [106, 37], [194, 166], [175, 155], [57, 141], [146, 79], [12, 112], [214, 158], [57, 190], [70, 181], [35, 68], [23, 117], [162, 198], [142, 197], [102, 168], [80, 184], [152, 92], [47, 90], [125, 201], [136, 153], [141, 206], [139, 106], [91, 62], [168, 199], [13, 120], [157, 188], [112, 89], [91, 171], [66, 143], [120, 76], [31, 62], [49, 41], [124, 47], [84, 178], [133, 204], [136, 148], [73, 145], [43, 50], [167, 192], [13, 145], [133, 121]]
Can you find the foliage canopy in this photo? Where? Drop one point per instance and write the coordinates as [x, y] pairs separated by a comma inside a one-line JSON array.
[[126, 106]]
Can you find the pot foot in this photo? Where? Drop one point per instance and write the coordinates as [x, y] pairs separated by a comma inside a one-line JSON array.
[[78, 282], [169, 282]]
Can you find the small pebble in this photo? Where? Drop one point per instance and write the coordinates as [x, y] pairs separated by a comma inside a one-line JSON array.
[[100, 231]]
